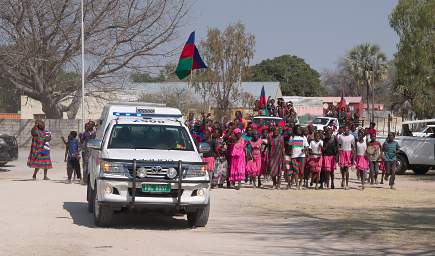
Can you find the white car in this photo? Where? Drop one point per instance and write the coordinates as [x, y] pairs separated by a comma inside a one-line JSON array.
[[425, 132], [145, 158], [321, 122]]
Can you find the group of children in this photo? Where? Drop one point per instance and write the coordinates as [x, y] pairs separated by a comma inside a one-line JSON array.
[[302, 156]]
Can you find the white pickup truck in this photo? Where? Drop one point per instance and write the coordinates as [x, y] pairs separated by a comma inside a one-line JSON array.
[[144, 158], [416, 153]]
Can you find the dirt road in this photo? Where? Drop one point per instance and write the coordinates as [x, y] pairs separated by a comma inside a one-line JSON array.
[[50, 218]]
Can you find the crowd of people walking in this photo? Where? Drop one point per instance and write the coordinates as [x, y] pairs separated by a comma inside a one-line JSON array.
[[244, 151]]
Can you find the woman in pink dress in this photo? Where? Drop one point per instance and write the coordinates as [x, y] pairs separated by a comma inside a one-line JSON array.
[[253, 167], [238, 160]]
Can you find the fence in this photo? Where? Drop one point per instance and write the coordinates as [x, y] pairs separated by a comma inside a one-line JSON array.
[[21, 129]]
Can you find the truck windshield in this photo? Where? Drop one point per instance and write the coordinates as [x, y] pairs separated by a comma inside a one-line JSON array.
[[322, 121], [160, 137]]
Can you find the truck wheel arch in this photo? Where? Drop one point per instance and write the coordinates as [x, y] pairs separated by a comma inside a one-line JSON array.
[[403, 163]]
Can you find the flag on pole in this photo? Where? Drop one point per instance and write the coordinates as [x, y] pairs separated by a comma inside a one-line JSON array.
[[342, 103], [263, 102], [189, 59]]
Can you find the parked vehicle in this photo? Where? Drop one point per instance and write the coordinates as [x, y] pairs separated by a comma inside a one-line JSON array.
[[144, 158], [267, 120], [416, 153], [8, 149], [425, 132], [320, 122]]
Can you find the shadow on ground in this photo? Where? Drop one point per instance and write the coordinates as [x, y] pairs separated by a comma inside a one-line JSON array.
[[399, 231], [126, 219]]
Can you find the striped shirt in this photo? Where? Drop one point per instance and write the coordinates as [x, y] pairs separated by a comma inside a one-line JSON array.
[[298, 143]]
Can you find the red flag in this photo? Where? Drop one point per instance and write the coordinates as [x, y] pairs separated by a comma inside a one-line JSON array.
[[263, 102]]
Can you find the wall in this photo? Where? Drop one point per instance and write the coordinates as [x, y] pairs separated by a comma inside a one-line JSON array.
[[21, 129]]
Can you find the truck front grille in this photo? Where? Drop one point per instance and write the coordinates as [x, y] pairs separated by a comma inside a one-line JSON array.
[[139, 193]]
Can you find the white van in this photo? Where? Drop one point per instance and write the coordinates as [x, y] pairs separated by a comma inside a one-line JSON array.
[[145, 158]]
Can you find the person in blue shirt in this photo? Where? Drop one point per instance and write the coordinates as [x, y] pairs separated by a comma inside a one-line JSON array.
[[390, 149], [73, 156]]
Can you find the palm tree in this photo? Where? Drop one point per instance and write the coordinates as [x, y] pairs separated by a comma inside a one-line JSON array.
[[367, 64]]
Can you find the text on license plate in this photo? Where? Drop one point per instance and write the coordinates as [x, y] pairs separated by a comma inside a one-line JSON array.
[[156, 188]]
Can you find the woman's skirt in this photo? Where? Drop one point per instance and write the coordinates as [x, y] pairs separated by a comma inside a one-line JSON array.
[[345, 158], [253, 167], [315, 164], [220, 171], [328, 163], [362, 163], [40, 160]]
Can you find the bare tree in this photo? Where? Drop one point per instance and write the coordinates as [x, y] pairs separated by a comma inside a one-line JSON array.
[[40, 44], [227, 55]]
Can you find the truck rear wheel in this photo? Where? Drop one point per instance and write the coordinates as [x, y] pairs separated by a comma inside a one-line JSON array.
[[200, 217], [89, 196], [420, 170], [102, 213], [402, 164]]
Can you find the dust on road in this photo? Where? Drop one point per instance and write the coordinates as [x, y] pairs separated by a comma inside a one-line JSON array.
[[50, 218]]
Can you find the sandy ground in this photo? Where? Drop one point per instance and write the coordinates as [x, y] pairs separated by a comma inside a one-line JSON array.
[[50, 218]]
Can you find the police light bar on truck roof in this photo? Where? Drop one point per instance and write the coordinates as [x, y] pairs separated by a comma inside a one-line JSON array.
[[120, 114]]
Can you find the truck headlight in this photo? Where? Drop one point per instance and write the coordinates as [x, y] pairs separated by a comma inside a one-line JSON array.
[[113, 168], [172, 173], [195, 171]]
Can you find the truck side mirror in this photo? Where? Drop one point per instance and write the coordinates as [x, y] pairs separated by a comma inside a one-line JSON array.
[[203, 147], [94, 144]]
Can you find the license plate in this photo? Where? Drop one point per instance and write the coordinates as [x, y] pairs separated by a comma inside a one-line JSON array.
[[156, 188]]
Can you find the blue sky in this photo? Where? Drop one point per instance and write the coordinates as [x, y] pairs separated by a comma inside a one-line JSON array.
[[319, 31]]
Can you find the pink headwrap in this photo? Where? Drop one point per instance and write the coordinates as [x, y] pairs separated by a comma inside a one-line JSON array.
[[237, 131]]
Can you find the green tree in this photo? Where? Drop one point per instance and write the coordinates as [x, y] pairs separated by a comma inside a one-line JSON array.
[[367, 65], [414, 22], [41, 40], [227, 54], [295, 76]]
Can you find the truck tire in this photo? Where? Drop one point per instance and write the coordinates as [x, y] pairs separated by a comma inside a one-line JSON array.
[[102, 213], [89, 197], [402, 164], [420, 170], [199, 218]]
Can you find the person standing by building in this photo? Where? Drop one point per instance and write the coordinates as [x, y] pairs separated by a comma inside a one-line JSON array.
[[390, 149], [39, 157]]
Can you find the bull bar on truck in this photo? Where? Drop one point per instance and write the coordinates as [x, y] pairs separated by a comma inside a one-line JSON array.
[[134, 179]]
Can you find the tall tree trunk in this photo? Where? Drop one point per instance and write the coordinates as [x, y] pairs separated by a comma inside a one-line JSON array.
[[51, 109], [75, 105]]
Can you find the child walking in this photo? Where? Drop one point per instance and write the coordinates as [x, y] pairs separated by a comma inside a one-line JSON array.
[[315, 159], [361, 160], [390, 149], [299, 146], [374, 156], [73, 159], [346, 143]]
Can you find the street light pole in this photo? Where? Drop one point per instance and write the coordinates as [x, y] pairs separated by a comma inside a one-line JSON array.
[[83, 62]]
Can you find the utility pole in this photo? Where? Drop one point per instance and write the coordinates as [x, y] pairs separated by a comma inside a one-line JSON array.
[[83, 63], [366, 76]]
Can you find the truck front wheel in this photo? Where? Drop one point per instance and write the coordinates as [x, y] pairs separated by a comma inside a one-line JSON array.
[[102, 213], [200, 217]]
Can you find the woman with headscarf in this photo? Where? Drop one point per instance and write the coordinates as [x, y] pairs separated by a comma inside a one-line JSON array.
[[39, 157], [238, 161], [276, 157]]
